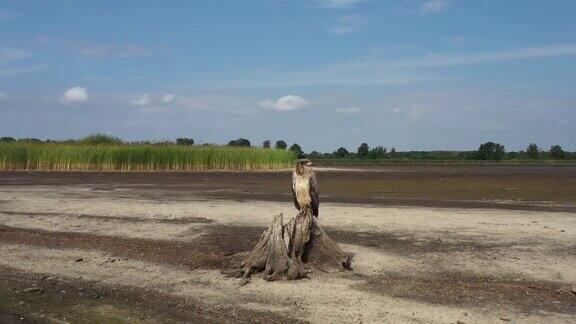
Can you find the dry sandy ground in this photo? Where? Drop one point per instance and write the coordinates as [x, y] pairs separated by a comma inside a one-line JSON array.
[[119, 255]]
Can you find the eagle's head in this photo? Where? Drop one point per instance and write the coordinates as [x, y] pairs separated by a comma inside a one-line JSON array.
[[303, 165]]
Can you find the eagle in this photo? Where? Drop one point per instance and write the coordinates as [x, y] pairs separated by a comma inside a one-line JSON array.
[[305, 187]]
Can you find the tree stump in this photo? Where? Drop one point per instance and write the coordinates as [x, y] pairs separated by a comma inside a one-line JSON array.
[[289, 251]]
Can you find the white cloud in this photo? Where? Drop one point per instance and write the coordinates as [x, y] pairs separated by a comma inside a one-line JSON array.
[[285, 103], [73, 95], [396, 110], [432, 6], [3, 96], [168, 98], [347, 25], [348, 110], [144, 100], [339, 4]]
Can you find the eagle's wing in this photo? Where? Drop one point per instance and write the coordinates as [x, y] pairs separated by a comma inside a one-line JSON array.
[[314, 194], [294, 194]]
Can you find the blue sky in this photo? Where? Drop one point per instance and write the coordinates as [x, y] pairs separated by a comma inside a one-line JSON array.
[[413, 74]]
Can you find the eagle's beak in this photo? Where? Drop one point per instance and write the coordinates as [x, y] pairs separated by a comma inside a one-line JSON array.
[[309, 163]]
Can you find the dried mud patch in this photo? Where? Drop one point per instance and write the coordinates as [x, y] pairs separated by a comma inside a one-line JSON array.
[[104, 218], [40, 299], [207, 252], [566, 250], [217, 243], [458, 289], [406, 243]]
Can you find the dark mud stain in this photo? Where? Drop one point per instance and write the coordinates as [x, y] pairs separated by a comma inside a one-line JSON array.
[[78, 301], [391, 202], [408, 244], [467, 290], [421, 186], [208, 251], [216, 244], [566, 250], [179, 220]]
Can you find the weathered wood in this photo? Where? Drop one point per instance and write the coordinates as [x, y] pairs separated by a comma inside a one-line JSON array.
[[290, 251], [323, 253]]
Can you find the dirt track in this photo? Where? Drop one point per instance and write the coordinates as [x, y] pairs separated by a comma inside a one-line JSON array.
[[148, 246]]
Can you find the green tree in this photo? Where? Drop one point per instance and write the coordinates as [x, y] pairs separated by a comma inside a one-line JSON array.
[[533, 151], [241, 142], [184, 141], [266, 144], [281, 145], [556, 152], [491, 151], [7, 139], [314, 154], [363, 150], [341, 152], [377, 152], [297, 149]]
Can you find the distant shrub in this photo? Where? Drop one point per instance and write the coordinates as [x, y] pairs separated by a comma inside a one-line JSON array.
[[7, 139], [377, 152], [184, 141], [363, 150], [29, 140], [533, 151], [297, 150], [281, 145], [341, 152], [556, 152], [241, 142], [100, 139], [491, 151]]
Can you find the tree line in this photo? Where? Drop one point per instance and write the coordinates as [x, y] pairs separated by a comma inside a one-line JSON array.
[[486, 151]]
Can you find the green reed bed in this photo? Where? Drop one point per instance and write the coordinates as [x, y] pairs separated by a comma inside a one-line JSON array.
[[140, 157]]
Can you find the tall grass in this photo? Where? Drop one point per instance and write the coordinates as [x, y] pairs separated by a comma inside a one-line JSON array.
[[141, 157]]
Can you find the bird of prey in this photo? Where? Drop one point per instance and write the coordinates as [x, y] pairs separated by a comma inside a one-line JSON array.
[[305, 187]]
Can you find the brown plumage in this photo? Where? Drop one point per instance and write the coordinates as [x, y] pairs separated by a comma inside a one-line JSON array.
[[305, 187]]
